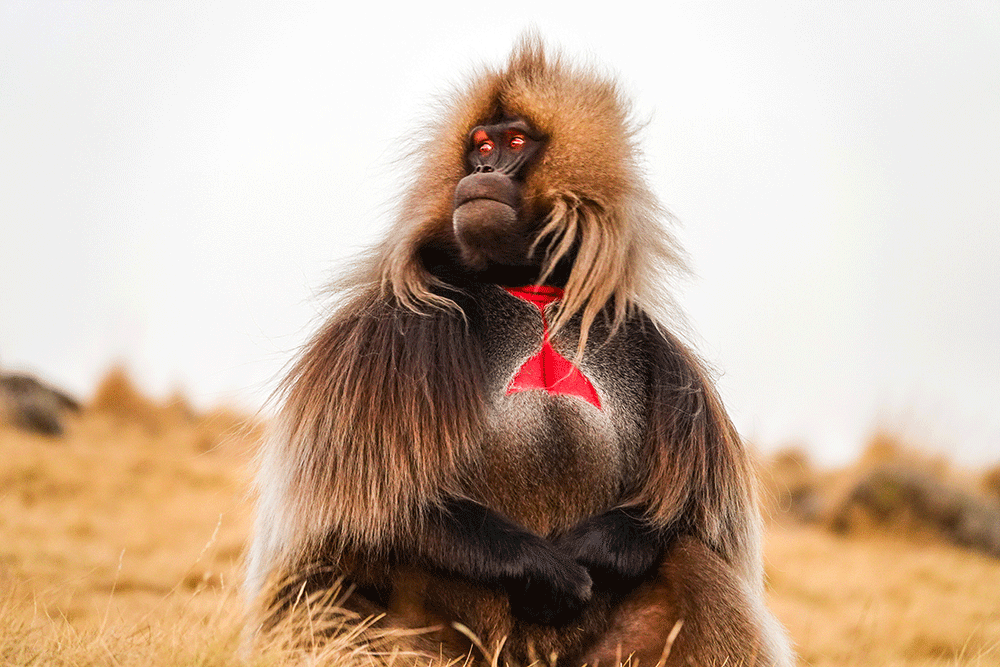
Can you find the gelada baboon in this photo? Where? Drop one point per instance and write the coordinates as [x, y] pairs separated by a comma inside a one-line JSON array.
[[496, 427]]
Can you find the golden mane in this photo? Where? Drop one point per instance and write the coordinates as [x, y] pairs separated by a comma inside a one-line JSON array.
[[600, 205]]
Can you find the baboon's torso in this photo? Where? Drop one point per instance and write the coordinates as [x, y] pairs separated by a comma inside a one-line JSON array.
[[561, 458]]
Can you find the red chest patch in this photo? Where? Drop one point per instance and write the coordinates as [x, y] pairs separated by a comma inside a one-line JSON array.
[[549, 370]]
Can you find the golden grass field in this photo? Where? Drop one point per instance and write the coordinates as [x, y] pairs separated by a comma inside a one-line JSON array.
[[121, 544]]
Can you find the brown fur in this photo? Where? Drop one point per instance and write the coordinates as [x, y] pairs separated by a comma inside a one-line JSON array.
[[696, 599], [392, 407]]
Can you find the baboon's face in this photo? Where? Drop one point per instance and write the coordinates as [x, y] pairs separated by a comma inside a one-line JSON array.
[[492, 224]]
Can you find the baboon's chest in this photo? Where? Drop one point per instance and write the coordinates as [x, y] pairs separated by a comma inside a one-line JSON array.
[[561, 431], [548, 369]]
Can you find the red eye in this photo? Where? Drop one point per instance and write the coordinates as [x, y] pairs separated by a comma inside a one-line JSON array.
[[516, 142], [485, 148]]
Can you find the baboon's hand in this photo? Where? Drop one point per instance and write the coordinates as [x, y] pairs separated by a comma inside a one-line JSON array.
[[545, 585], [617, 547], [552, 587]]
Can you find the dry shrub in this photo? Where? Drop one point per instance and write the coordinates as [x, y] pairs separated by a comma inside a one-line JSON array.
[[32, 405], [118, 397], [885, 447], [895, 487], [910, 500]]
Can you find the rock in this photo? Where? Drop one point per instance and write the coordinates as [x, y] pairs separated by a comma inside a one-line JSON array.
[[34, 406]]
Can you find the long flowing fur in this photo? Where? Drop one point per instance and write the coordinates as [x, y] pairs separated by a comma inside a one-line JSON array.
[[698, 472], [380, 413]]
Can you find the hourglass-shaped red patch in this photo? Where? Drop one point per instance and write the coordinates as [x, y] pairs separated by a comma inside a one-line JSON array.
[[548, 369]]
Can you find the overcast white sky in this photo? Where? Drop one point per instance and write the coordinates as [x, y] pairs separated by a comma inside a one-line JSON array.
[[178, 181]]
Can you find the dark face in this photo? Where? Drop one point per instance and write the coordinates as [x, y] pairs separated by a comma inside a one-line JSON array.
[[490, 222]]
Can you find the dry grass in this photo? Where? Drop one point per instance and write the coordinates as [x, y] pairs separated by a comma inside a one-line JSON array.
[[117, 527], [883, 599], [121, 544]]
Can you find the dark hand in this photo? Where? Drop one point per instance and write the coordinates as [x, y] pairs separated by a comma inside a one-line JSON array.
[[551, 587], [545, 585], [617, 547]]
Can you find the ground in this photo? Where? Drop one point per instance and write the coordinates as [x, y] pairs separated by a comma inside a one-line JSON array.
[[121, 544]]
